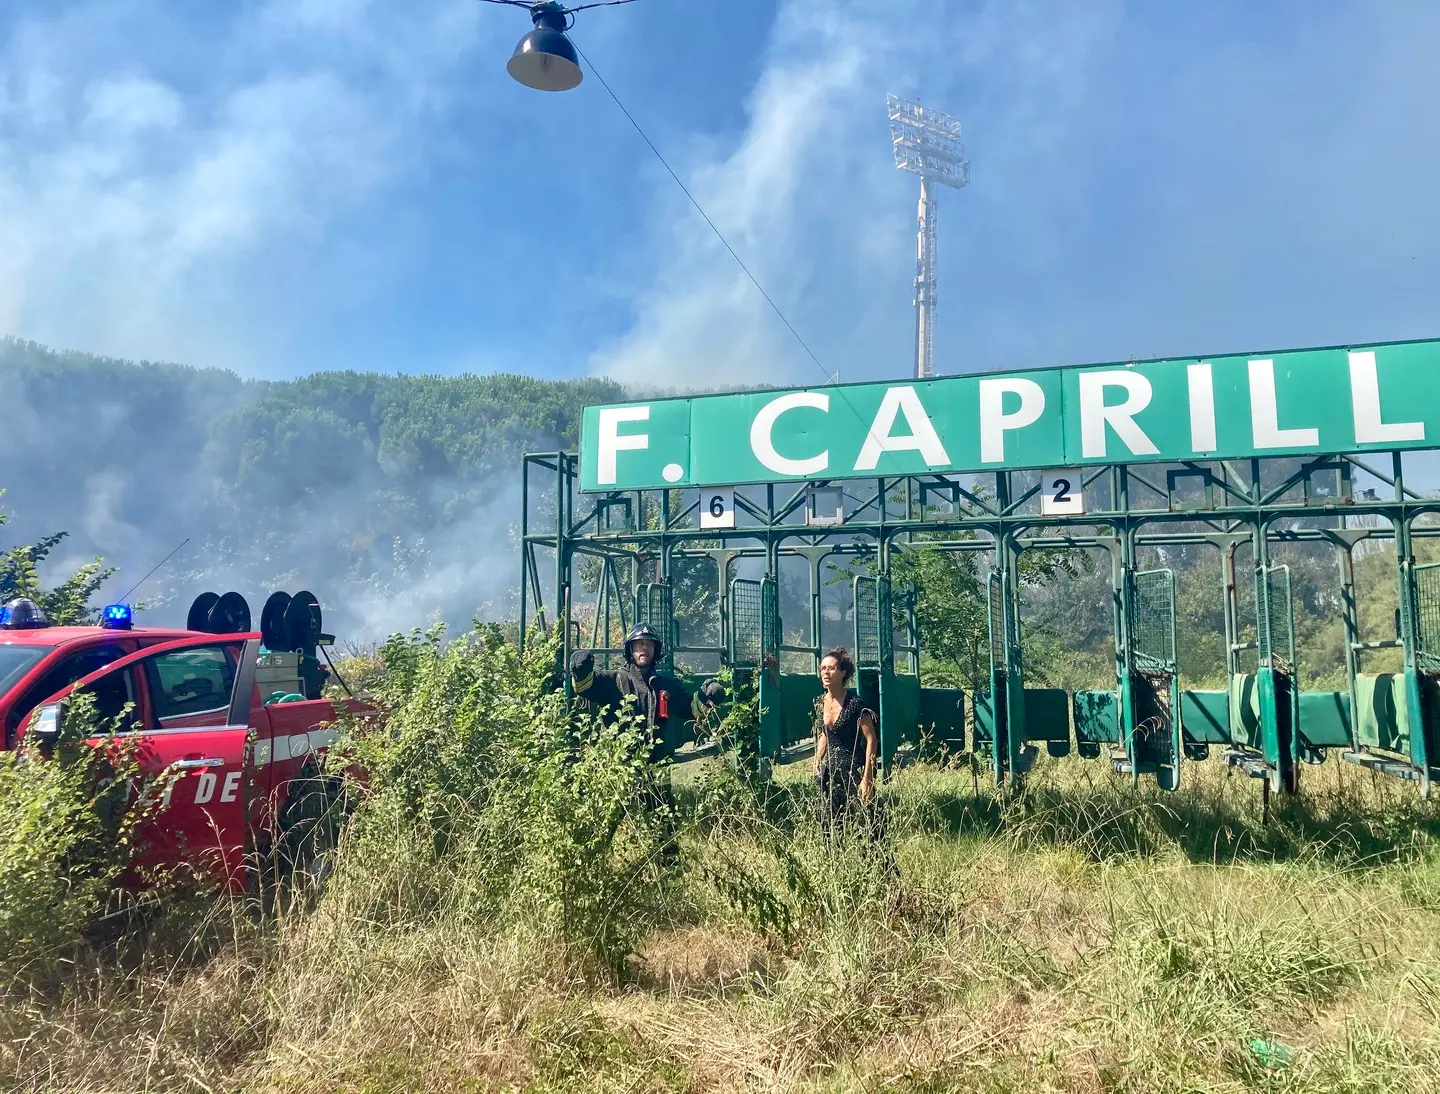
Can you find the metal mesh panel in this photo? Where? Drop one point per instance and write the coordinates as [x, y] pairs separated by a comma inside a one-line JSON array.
[[867, 618], [1273, 633], [653, 605], [747, 613], [1153, 620], [997, 621], [1427, 623], [770, 620], [884, 622]]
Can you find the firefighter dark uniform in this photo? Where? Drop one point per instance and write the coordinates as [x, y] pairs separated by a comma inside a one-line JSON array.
[[657, 699]]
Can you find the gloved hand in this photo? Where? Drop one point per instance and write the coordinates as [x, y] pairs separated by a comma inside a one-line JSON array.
[[713, 692], [582, 664]]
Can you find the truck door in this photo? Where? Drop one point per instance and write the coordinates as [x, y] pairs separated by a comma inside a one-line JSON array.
[[189, 723], [189, 695]]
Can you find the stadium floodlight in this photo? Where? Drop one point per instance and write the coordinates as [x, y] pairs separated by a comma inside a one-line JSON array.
[[926, 143]]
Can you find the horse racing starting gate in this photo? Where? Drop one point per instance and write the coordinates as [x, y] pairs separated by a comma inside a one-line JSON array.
[[667, 515]]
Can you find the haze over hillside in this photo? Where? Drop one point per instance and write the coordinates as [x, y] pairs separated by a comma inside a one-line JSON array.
[[391, 497]]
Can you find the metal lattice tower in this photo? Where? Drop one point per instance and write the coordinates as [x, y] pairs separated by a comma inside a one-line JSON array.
[[926, 143]]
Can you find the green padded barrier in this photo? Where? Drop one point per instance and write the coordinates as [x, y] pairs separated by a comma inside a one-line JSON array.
[[772, 718], [1381, 720], [899, 713], [1205, 717], [1097, 721], [1325, 718], [1245, 710], [1047, 718], [984, 719], [794, 695], [942, 716]]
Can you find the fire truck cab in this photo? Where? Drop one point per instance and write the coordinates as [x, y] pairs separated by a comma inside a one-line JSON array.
[[237, 729]]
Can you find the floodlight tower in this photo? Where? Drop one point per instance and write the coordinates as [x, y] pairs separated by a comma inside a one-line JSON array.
[[926, 143]]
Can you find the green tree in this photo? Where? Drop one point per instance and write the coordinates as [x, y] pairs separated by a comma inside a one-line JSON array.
[[952, 608], [67, 604]]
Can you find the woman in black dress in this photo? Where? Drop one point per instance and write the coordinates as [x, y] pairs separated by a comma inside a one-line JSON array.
[[849, 741]]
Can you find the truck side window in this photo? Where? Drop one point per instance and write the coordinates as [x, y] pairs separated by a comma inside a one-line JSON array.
[[190, 682], [112, 691], [62, 674]]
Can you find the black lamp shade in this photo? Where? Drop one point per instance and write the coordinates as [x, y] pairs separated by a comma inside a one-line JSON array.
[[546, 60]]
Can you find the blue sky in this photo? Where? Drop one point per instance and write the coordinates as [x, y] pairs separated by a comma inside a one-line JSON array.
[[281, 186]]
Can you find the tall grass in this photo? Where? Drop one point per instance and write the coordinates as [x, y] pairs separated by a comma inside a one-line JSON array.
[[501, 917]]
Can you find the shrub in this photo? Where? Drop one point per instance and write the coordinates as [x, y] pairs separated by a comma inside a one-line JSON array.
[[492, 802], [71, 823]]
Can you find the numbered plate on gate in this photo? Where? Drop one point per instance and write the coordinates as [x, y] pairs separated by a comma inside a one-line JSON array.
[[717, 508], [1062, 493]]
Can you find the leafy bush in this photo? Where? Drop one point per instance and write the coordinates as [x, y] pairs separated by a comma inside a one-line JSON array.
[[488, 800], [71, 822]]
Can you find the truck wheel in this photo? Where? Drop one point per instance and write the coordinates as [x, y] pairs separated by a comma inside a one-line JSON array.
[[307, 831]]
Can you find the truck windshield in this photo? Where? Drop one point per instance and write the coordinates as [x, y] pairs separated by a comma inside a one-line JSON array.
[[16, 661]]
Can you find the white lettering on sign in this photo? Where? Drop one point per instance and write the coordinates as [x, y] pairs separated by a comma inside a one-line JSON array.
[[922, 438], [1265, 428], [1202, 409], [994, 422], [204, 787], [609, 442], [762, 441], [1365, 402], [1095, 415], [231, 787]]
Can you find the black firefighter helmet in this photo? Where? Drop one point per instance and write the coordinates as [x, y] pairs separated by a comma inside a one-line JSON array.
[[639, 633]]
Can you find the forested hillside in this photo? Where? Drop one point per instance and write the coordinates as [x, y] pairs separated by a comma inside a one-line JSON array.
[[390, 496]]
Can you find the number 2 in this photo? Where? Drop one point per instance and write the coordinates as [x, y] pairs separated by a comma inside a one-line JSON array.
[[1062, 491]]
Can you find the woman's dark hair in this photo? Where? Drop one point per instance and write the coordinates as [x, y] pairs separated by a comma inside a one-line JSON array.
[[842, 661]]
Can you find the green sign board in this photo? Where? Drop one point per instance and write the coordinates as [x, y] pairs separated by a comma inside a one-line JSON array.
[[1299, 402]]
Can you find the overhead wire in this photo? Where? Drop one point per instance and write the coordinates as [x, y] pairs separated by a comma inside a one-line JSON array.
[[699, 209]]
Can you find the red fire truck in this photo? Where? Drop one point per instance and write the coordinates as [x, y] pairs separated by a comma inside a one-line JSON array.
[[234, 720]]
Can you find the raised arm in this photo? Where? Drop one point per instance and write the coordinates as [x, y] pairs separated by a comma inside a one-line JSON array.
[[596, 687]]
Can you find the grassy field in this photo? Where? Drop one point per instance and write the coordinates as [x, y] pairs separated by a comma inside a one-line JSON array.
[[499, 920], [1082, 939]]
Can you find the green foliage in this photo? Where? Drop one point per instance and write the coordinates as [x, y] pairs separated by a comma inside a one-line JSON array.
[[67, 603], [500, 806], [72, 820], [951, 605]]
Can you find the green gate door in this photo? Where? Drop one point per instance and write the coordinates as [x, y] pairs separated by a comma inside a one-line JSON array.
[[1277, 691], [875, 662], [1153, 736], [1420, 631], [1006, 702], [753, 644], [744, 644]]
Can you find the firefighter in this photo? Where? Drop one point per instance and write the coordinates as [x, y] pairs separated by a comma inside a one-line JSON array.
[[656, 698]]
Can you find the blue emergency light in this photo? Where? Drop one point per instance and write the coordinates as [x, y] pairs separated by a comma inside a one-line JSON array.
[[22, 614], [117, 617]]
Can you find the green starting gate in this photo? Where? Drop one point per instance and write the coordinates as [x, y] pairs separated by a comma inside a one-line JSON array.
[[1278, 693], [1000, 715], [1152, 710], [1267, 723]]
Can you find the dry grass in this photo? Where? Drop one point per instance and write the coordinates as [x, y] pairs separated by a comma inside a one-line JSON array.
[[1086, 939]]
